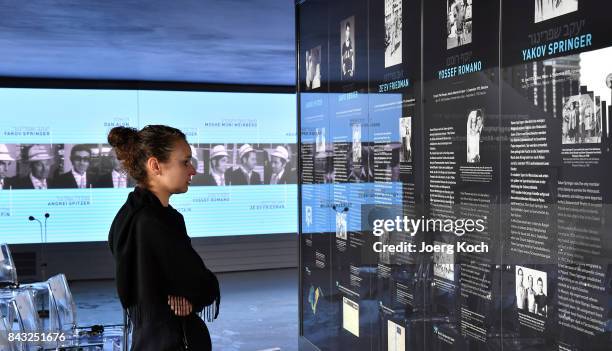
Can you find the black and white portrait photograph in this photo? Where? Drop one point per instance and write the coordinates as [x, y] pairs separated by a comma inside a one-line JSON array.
[[216, 169], [30, 166], [247, 170], [547, 9], [280, 165], [110, 171], [384, 257], [62, 166], [474, 129], [341, 225], [393, 32], [361, 171], [581, 120], [7, 164], [320, 140], [531, 291], [581, 111], [239, 164], [405, 132], [347, 44], [586, 109], [308, 215], [458, 23], [444, 264], [325, 170], [356, 145], [313, 68], [76, 169]]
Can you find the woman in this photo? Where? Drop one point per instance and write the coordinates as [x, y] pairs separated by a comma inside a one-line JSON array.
[[161, 280]]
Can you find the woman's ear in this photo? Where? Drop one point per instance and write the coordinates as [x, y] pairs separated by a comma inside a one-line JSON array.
[[154, 166]]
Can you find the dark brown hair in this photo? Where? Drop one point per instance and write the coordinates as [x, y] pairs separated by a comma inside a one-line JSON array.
[[77, 148], [133, 147]]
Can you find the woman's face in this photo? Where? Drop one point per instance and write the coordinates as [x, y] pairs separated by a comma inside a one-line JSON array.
[[175, 174]]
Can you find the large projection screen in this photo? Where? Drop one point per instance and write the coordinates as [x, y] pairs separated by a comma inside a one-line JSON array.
[[39, 128]]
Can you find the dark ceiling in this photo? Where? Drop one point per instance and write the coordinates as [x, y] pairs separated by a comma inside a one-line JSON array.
[[204, 41]]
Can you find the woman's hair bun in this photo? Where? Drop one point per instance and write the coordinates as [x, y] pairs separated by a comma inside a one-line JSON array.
[[119, 137], [124, 140]]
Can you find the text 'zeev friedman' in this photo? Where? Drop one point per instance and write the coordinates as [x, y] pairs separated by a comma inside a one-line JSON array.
[[413, 226]]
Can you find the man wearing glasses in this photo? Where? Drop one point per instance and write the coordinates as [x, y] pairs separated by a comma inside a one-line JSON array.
[[80, 157]]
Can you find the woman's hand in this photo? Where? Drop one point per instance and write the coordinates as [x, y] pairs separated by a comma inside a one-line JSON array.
[[180, 305]]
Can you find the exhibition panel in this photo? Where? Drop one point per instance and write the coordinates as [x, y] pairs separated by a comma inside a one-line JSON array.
[[556, 93], [454, 160]]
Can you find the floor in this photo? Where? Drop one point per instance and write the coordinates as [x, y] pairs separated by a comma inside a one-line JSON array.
[[259, 309]]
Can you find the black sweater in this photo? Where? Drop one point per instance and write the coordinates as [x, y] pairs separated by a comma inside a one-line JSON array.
[[153, 259]]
